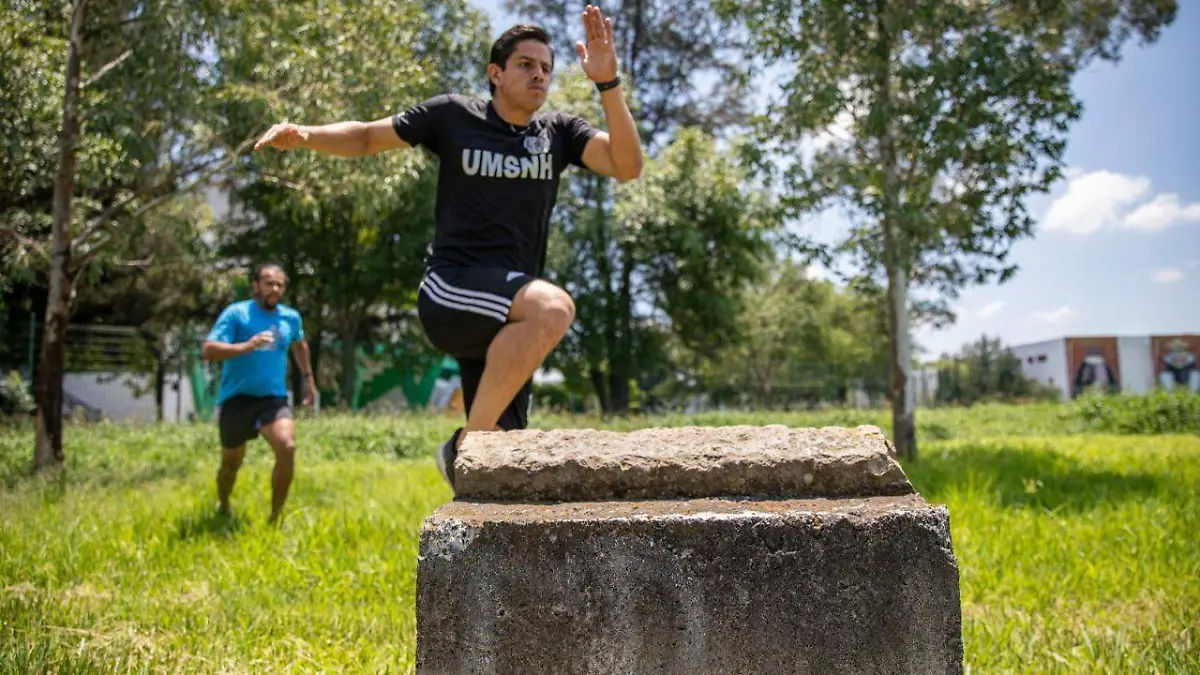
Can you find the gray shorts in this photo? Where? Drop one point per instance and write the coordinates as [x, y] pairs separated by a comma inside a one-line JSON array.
[[242, 416]]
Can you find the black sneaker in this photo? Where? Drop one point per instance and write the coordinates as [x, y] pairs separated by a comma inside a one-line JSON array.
[[446, 456]]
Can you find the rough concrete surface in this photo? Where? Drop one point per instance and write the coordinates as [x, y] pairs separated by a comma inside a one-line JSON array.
[[689, 587], [769, 462]]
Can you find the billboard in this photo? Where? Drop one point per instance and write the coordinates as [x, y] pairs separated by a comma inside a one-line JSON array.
[[1175, 361], [1093, 363]]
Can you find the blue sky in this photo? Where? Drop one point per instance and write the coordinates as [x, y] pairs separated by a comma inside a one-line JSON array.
[[1117, 249]]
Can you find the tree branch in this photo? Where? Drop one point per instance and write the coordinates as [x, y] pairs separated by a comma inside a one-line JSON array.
[[26, 241], [105, 218], [119, 24], [105, 68], [139, 264]]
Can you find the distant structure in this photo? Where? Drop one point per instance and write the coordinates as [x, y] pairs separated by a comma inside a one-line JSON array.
[[1131, 364]]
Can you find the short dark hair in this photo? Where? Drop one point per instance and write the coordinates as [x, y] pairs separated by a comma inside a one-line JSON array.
[[504, 45], [262, 267]]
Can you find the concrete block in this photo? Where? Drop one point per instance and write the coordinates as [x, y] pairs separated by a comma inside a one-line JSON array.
[[585, 464], [663, 585]]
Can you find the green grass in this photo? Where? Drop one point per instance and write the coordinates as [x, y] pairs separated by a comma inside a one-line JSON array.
[[1078, 553]]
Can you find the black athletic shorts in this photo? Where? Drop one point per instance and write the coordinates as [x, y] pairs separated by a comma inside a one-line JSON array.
[[242, 416], [461, 310]]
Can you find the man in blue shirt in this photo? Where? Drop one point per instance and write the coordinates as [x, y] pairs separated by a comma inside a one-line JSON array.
[[252, 339]]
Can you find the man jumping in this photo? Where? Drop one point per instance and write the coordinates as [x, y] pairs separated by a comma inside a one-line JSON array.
[[252, 338], [481, 299]]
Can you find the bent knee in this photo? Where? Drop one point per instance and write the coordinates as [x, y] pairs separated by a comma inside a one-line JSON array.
[[285, 449], [557, 313], [548, 306], [233, 458]]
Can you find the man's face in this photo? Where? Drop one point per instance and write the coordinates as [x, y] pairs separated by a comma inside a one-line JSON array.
[[270, 286], [525, 80]]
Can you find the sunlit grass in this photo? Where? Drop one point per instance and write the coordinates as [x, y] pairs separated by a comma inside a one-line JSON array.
[[1078, 553]]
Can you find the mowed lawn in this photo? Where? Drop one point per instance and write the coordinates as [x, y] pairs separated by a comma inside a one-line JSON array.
[[1079, 553]]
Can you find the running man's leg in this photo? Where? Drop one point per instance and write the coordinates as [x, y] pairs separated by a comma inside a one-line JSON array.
[[541, 315], [235, 426], [280, 432], [231, 461]]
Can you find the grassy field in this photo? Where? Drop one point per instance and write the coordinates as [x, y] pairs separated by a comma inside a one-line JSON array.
[[1079, 553]]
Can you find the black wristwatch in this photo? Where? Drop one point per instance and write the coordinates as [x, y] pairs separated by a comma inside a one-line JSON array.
[[611, 84]]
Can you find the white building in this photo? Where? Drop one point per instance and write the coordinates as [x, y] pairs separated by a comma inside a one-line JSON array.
[[1132, 364]]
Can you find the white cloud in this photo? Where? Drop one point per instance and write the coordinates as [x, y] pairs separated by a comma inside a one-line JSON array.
[[1161, 213], [1093, 201], [1097, 200], [1055, 315], [1193, 264], [990, 309], [1167, 275]]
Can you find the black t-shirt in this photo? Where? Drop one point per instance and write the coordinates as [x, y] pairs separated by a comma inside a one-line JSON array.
[[497, 182]]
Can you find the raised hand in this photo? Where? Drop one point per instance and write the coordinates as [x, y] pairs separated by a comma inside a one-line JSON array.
[[284, 136], [599, 56]]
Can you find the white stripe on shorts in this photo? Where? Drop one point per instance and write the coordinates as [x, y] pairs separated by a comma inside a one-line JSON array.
[[464, 293], [440, 288], [453, 303]]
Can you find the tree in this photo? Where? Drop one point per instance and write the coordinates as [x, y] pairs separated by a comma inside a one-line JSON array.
[[166, 283], [351, 233], [956, 112], [663, 255], [986, 371], [667, 52], [802, 341], [135, 131]]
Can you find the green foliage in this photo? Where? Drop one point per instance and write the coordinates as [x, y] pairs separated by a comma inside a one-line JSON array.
[[652, 262], [697, 234], [1159, 412], [623, 327], [31, 85], [351, 233], [951, 116], [15, 397], [799, 341], [1076, 553], [664, 53], [986, 371]]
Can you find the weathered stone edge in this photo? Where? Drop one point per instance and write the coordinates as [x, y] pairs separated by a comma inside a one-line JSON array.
[[824, 474]]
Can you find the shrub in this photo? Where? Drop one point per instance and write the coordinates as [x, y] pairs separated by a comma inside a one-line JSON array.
[[1156, 413], [15, 399]]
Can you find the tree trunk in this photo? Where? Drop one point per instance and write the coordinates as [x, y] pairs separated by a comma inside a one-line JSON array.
[[620, 361], [895, 257], [611, 319], [903, 422], [349, 369], [160, 376], [597, 377], [47, 448]]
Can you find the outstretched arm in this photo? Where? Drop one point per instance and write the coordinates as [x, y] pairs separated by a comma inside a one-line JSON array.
[[617, 153], [344, 139]]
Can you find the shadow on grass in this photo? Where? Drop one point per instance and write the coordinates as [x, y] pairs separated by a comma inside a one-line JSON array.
[[209, 523], [1019, 476]]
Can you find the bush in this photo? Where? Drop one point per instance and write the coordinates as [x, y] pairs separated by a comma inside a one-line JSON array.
[[15, 399], [1156, 413]]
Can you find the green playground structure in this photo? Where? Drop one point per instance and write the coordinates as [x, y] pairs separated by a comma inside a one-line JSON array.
[[416, 375]]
